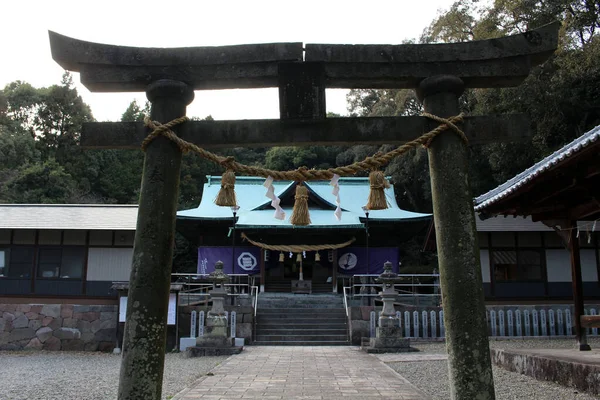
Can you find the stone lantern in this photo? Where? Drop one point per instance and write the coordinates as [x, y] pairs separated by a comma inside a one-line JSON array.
[[215, 341], [216, 319], [388, 335], [388, 278]]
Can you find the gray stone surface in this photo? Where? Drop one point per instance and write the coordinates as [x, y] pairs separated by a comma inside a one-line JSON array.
[[44, 333], [72, 345], [51, 310], [214, 341], [66, 311], [70, 323], [358, 330], [21, 334], [550, 365], [194, 351], [67, 333], [244, 330], [10, 347], [34, 344], [105, 335], [35, 324], [53, 343], [99, 324], [20, 322], [88, 336], [8, 316], [107, 315], [90, 346], [55, 324], [83, 376], [84, 326], [32, 315], [432, 375], [309, 372]]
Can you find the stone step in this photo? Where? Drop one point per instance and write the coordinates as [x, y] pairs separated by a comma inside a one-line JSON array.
[[300, 338], [291, 303], [295, 325], [317, 331], [301, 310], [288, 300], [287, 319], [306, 323], [303, 343]]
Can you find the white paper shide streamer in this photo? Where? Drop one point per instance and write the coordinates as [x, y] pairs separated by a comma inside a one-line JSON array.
[[336, 192], [279, 213]]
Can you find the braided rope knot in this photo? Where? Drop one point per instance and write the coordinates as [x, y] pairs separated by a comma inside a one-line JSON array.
[[445, 123], [165, 130], [371, 163]]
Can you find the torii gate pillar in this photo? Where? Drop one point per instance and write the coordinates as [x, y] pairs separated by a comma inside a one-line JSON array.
[[144, 340], [458, 255]]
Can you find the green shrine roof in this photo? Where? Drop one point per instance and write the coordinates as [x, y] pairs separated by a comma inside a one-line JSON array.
[[255, 210]]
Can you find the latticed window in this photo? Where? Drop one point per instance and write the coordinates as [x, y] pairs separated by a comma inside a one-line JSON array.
[[61, 262], [518, 265]]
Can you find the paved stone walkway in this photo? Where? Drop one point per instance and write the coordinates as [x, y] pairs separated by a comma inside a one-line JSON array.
[[410, 357], [290, 372]]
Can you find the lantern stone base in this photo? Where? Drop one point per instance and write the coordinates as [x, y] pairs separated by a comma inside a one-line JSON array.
[[213, 346], [387, 340], [215, 342], [196, 351]]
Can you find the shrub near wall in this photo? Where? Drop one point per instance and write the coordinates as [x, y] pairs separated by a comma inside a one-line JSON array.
[[57, 327]]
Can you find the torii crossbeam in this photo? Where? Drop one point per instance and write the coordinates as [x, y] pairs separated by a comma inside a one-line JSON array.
[[438, 72]]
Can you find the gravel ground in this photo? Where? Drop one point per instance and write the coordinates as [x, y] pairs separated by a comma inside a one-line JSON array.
[[432, 376], [85, 376]]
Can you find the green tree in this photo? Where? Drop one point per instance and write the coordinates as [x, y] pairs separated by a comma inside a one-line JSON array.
[[46, 182]]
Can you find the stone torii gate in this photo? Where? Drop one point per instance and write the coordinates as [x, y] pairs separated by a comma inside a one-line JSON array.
[[438, 72]]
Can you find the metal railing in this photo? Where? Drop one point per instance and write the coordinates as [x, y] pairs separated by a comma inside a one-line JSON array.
[[414, 289], [254, 294], [196, 287], [346, 290]]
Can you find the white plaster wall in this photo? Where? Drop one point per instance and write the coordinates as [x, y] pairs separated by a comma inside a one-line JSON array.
[[558, 263], [484, 255], [589, 268], [109, 264]]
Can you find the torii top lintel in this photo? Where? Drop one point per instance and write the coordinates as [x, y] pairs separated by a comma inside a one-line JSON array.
[[501, 62]]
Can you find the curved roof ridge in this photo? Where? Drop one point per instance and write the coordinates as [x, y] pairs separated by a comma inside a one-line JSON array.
[[508, 187]]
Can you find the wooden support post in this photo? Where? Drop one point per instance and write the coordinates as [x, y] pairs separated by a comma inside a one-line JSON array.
[[580, 333], [460, 269], [334, 277], [301, 90], [262, 271], [142, 365]]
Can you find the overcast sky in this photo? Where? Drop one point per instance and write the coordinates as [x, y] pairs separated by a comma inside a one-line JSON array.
[[26, 51]]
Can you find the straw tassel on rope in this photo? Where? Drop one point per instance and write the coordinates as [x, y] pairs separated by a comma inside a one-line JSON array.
[[300, 214], [226, 196], [377, 200]]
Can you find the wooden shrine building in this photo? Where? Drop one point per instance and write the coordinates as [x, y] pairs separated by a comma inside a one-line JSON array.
[[212, 228], [559, 191]]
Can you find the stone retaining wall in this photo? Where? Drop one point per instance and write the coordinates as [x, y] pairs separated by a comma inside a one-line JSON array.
[[565, 367], [57, 327]]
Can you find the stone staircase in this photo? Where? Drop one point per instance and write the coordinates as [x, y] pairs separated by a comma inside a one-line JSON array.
[[284, 286], [301, 320]]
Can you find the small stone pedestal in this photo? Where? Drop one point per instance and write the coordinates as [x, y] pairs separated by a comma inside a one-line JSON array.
[[388, 335], [215, 341]]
